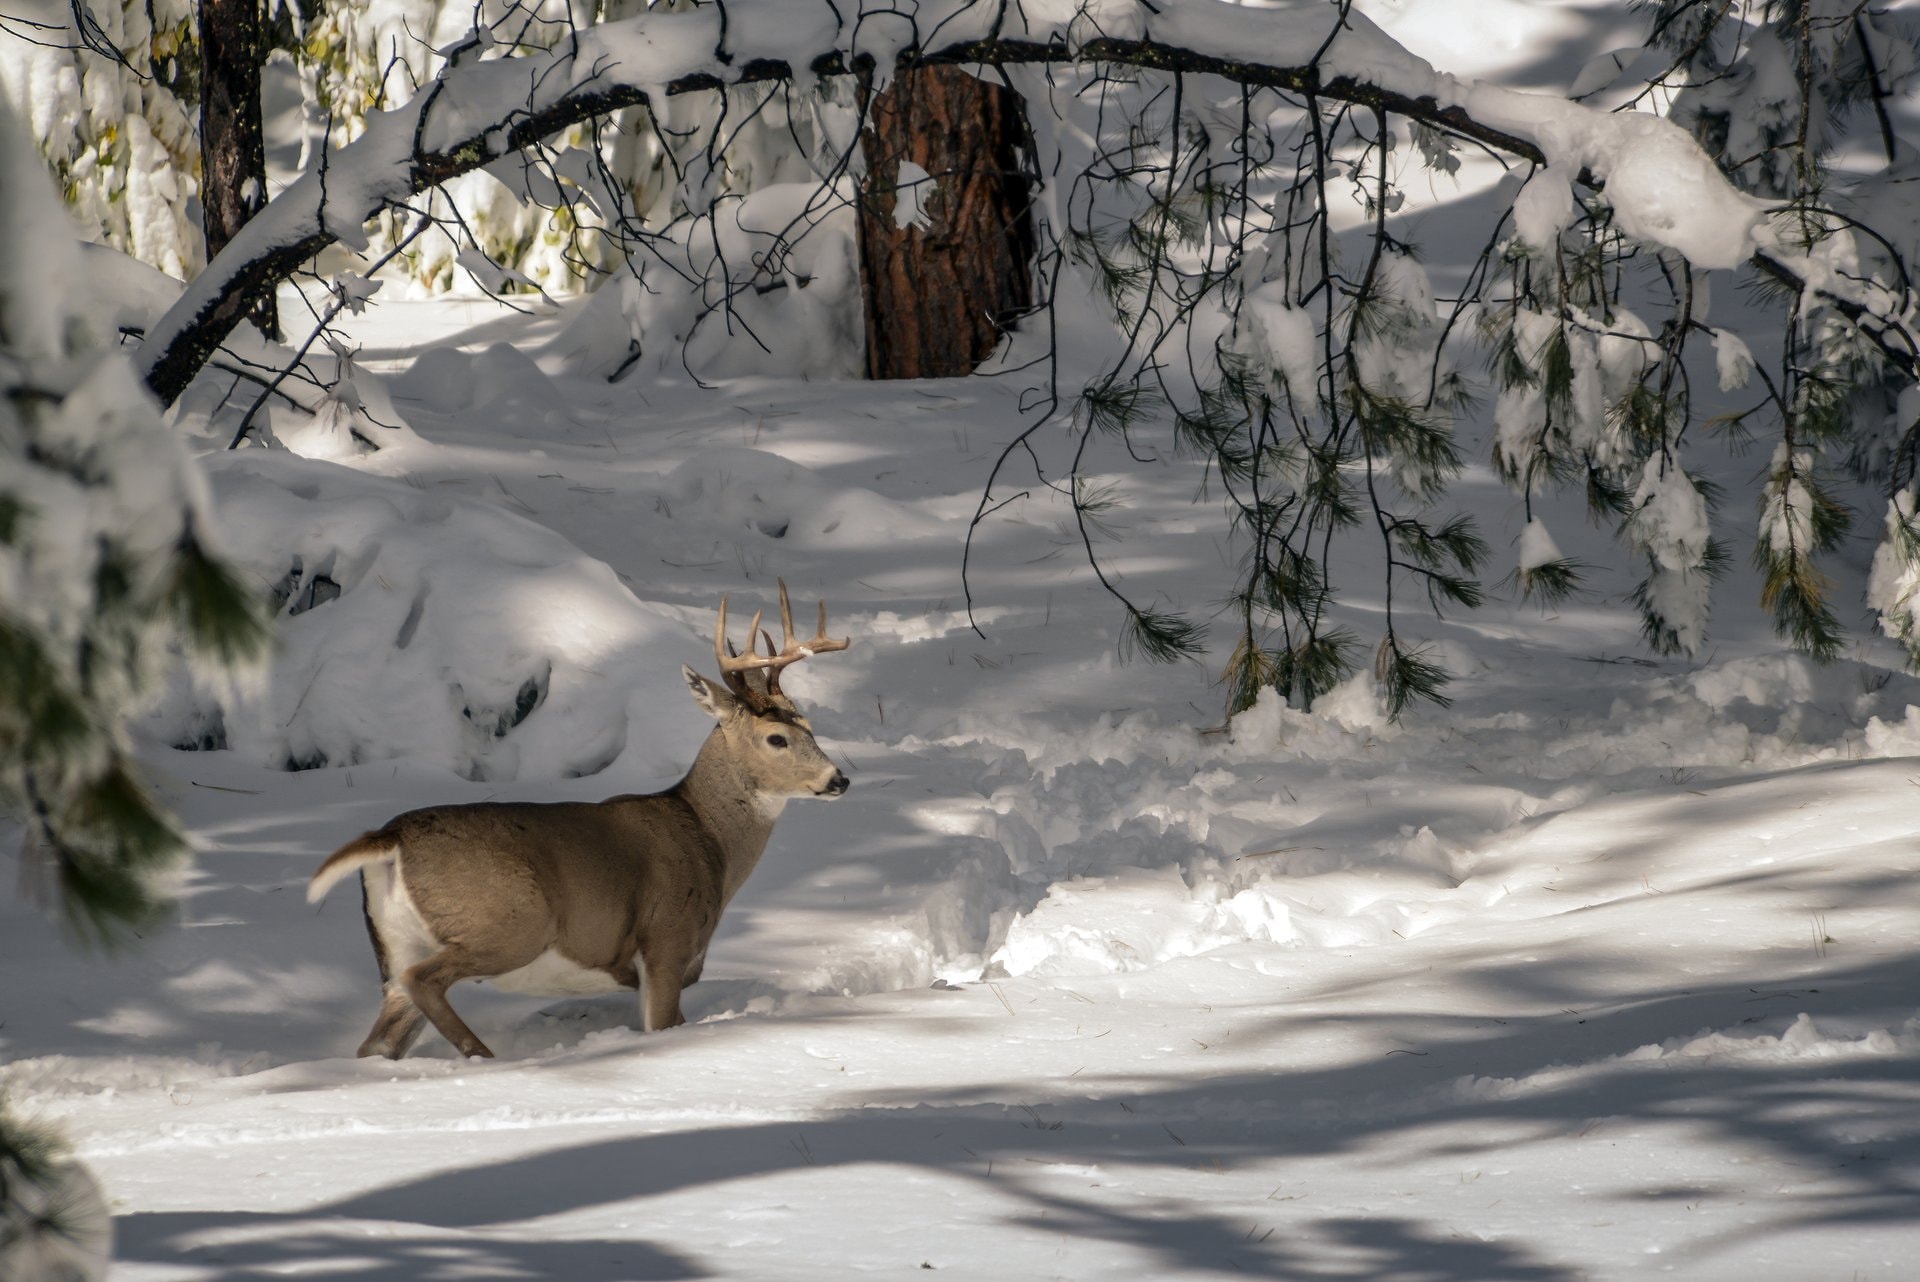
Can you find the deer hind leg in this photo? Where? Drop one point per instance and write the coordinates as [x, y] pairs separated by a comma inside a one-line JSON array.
[[395, 1027], [400, 939], [664, 966]]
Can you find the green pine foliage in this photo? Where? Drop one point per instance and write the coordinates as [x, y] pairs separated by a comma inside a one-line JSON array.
[[1408, 675], [1160, 635], [1589, 397], [1551, 583], [1318, 664], [1654, 595], [1800, 518], [1112, 406], [1250, 669], [54, 1225], [108, 578]]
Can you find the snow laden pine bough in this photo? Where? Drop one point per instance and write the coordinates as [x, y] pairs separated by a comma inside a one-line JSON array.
[[569, 898]]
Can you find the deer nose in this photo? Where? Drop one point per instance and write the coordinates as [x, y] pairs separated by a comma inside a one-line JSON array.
[[836, 785]]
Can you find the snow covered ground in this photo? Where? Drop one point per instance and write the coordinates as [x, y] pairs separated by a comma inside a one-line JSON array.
[[1607, 971]]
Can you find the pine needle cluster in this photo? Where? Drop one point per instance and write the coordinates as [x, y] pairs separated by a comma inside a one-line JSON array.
[[54, 1225], [107, 576]]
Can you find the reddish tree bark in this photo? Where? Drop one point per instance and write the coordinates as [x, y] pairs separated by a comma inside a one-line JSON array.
[[938, 297]]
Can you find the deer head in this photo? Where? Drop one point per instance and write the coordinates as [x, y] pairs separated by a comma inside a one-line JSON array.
[[768, 738]]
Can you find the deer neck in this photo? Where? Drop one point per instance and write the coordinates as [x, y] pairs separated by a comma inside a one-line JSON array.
[[739, 816]]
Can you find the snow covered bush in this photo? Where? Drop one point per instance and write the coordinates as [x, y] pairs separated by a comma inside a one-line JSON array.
[[113, 114], [1775, 92], [108, 569], [573, 210], [424, 627], [358, 57]]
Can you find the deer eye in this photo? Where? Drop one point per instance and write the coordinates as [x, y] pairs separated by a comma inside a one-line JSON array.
[[776, 741]]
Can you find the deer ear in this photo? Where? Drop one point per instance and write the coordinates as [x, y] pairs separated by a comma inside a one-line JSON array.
[[715, 701]]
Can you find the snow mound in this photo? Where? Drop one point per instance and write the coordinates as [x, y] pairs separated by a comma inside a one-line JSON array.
[[440, 377], [1802, 1040], [121, 287], [742, 488], [1139, 918], [449, 380], [1109, 925], [796, 314], [429, 627]]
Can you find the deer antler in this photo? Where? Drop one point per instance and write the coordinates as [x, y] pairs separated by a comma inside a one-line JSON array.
[[734, 667], [792, 651]]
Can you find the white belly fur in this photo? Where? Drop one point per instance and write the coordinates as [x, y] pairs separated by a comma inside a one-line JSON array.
[[552, 975]]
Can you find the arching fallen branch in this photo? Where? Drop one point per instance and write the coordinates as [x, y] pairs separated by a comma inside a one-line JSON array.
[[474, 114]]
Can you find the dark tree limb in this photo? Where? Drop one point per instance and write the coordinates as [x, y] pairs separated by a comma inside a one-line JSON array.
[[587, 79]]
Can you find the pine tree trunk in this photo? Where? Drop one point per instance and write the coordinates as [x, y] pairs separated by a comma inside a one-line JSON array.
[[233, 151], [939, 296]]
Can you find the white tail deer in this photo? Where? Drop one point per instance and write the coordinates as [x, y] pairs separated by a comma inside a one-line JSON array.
[[570, 898]]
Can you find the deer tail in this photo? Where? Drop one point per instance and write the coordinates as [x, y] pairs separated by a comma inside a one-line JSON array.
[[368, 848]]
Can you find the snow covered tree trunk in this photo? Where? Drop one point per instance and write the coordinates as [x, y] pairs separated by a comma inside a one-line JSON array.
[[946, 243], [233, 152]]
